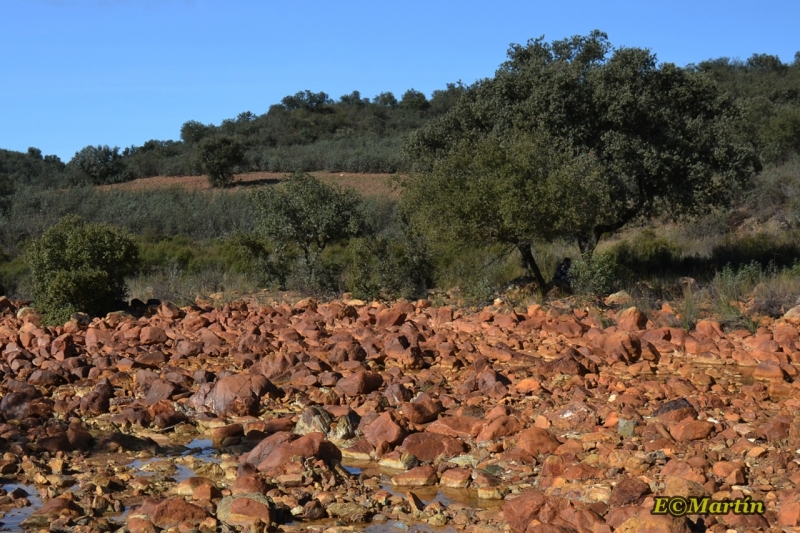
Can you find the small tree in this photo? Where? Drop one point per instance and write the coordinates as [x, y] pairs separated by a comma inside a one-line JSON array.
[[98, 165], [217, 157], [78, 266], [308, 214]]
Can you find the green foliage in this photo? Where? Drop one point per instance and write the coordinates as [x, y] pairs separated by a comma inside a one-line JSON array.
[[76, 266], [30, 169], [646, 254], [660, 137], [306, 214], [218, 157], [596, 274], [98, 165], [388, 268]]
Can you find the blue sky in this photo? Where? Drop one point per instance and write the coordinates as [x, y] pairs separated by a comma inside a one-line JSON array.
[[120, 72]]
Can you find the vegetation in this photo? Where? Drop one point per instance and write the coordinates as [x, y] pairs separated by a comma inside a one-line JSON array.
[[75, 266], [646, 174], [218, 157], [573, 140]]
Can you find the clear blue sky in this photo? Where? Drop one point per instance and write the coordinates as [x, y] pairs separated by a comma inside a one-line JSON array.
[[120, 72]]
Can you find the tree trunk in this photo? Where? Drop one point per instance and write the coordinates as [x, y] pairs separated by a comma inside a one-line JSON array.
[[529, 263]]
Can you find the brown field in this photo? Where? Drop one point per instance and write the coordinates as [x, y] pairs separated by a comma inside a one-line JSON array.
[[365, 184]]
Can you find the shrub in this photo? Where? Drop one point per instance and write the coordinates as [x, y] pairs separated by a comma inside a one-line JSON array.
[[388, 268], [217, 157], [77, 266], [595, 274]]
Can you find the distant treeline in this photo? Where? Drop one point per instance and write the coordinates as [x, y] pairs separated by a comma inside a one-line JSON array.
[[310, 131]]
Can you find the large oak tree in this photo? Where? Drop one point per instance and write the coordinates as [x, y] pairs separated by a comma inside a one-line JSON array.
[[574, 139]]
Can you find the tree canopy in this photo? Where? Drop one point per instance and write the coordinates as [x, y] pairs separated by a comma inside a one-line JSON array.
[[574, 139]]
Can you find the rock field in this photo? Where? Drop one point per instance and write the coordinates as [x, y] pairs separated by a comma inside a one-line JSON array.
[[347, 415]]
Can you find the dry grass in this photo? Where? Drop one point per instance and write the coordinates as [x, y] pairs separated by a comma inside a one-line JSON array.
[[365, 184]]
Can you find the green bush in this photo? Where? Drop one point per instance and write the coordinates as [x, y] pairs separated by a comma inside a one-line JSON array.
[[595, 274], [218, 156], [387, 268], [647, 253], [77, 266]]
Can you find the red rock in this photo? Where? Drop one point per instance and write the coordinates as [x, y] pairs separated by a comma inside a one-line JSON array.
[[238, 395], [689, 429], [631, 319], [171, 512], [429, 446], [789, 514], [263, 449], [537, 441], [152, 335], [421, 476], [644, 522], [310, 445], [422, 411], [504, 426], [575, 416], [623, 346], [629, 491], [456, 426], [769, 370], [248, 484], [390, 317], [456, 478], [246, 511], [359, 383], [384, 429], [519, 512]]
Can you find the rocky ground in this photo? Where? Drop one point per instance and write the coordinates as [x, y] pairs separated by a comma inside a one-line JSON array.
[[348, 415]]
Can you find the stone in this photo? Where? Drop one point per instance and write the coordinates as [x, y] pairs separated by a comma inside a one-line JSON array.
[[520, 511], [644, 522], [688, 430], [629, 491], [537, 441], [359, 383], [245, 510], [422, 411], [170, 512], [576, 416], [631, 319], [385, 429], [351, 513], [421, 476], [429, 446], [152, 335]]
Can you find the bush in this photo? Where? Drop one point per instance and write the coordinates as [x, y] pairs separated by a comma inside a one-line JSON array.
[[595, 274], [218, 156], [388, 268], [76, 266]]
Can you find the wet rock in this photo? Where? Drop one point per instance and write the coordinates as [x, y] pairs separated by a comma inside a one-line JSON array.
[[351, 513], [421, 476], [429, 446], [57, 508]]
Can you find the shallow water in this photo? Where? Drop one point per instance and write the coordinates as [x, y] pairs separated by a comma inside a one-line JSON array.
[[447, 496], [13, 518]]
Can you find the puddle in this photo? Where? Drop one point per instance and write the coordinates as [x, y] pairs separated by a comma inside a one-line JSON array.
[[182, 472], [13, 518], [203, 449], [445, 495], [402, 527]]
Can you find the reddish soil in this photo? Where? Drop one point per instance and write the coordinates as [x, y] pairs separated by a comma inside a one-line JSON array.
[[365, 184]]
